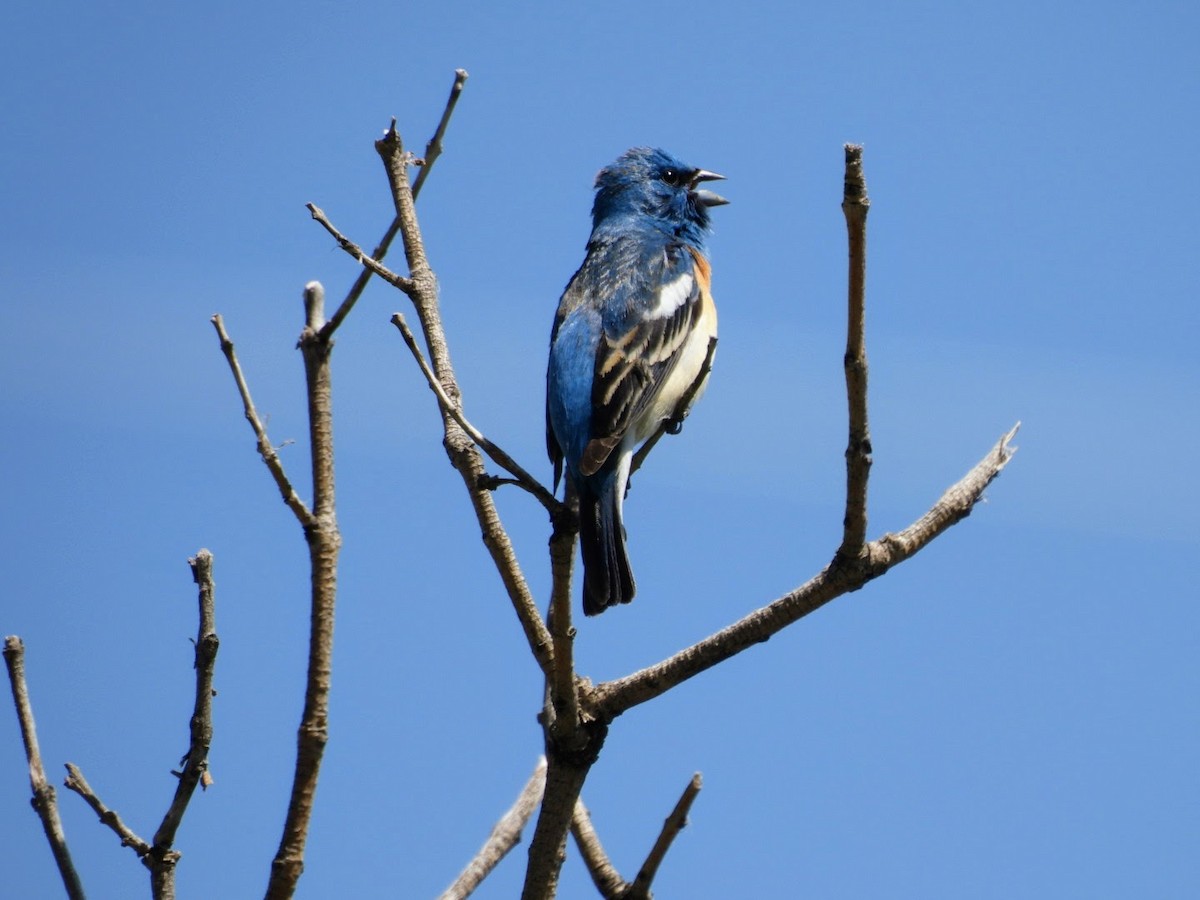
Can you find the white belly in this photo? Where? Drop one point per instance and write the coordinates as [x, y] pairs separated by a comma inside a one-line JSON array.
[[691, 360]]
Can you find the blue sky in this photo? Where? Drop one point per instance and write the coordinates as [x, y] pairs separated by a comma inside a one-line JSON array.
[[1011, 713]]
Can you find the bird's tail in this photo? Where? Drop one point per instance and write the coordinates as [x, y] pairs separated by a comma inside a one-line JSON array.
[[607, 577]]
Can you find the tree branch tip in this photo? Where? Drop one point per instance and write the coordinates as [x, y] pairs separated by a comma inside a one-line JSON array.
[[314, 305], [390, 136], [1005, 449]]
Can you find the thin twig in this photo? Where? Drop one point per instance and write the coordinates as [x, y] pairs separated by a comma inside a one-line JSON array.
[[44, 801], [432, 151], [855, 206], [604, 874], [954, 505], [194, 768], [355, 251], [77, 783], [674, 823], [265, 448], [520, 477], [505, 835]]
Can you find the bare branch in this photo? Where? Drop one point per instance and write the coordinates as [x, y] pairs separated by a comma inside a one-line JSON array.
[[324, 544], [44, 801], [675, 823], [460, 446], [355, 251], [265, 448], [562, 712], [565, 775], [194, 768], [855, 206], [505, 835], [855, 562], [604, 874], [612, 698], [77, 783], [953, 506], [521, 478], [432, 151]]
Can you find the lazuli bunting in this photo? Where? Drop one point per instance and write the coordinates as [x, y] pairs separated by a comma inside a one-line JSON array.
[[629, 345]]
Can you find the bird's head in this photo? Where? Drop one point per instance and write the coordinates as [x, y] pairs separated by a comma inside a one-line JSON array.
[[652, 186]]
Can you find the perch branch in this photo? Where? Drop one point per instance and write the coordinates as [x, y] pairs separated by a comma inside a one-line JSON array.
[[432, 151], [855, 562], [265, 448], [612, 698], [562, 708], [44, 801], [505, 835]]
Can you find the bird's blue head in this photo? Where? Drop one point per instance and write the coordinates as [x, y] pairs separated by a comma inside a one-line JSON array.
[[649, 187]]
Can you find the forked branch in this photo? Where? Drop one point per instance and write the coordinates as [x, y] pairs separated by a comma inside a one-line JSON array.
[[432, 151], [194, 768], [855, 562], [605, 876], [520, 477], [160, 857], [460, 446], [266, 449]]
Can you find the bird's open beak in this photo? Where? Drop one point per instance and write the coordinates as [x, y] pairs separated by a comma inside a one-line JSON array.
[[707, 198]]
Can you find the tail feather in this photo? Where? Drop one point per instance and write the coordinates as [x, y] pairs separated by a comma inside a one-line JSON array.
[[607, 576]]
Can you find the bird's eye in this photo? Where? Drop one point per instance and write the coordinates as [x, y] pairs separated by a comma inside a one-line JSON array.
[[672, 177]]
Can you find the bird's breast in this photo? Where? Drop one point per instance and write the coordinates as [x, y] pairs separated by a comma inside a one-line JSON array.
[[689, 365]]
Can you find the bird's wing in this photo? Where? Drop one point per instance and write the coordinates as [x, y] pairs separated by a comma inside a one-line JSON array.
[[649, 321], [553, 450]]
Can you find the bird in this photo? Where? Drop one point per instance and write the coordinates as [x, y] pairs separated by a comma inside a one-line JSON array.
[[630, 348]]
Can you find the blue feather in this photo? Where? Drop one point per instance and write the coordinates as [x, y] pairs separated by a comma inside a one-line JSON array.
[[629, 341]]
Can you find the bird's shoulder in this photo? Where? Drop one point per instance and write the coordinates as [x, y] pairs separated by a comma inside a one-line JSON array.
[[632, 277]]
